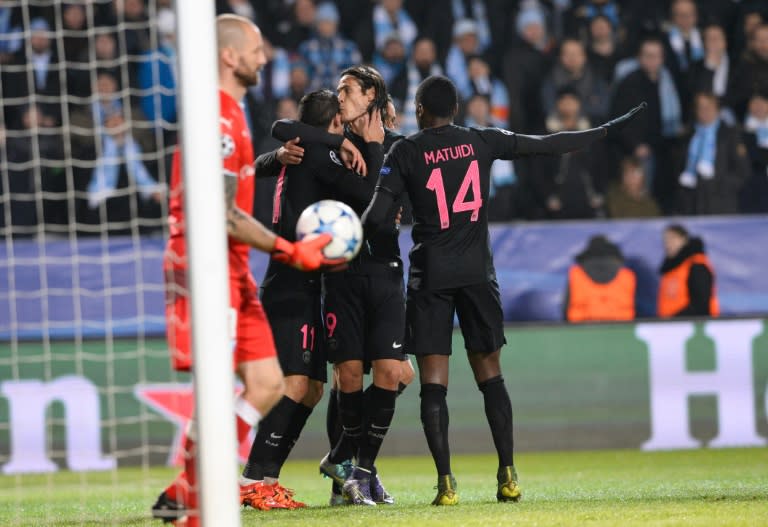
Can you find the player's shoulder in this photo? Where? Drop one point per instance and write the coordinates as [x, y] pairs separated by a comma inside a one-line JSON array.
[[320, 155]]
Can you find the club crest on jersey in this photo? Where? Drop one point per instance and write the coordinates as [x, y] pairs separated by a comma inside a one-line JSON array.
[[335, 158], [227, 146], [505, 132]]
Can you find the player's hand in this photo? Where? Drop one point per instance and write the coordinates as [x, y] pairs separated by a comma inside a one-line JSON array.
[[612, 128], [372, 126], [290, 153], [352, 157], [305, 255]]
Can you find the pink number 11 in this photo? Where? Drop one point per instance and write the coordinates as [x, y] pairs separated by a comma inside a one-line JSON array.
[[472, 177]]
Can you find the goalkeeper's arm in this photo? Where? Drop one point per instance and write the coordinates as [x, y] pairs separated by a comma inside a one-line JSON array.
[[304, 255]]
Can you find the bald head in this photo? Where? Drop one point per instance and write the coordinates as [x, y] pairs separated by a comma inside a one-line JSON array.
[[231, 31], [241, 50]]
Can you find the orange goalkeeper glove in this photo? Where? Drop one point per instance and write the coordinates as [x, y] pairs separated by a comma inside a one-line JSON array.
[[305, 255]]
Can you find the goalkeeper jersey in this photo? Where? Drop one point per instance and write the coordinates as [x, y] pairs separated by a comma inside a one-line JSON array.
[[237, 161]]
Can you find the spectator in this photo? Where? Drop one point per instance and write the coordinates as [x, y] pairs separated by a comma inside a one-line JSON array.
[[687, 285], [755, 194], [275, 75], [600, 287], [630, 198], [290, 31], [131, 15], [483, 83], [502, 204], [33, 153], [299, 81], [111, 138], [422, 64], [716, 165], [751, 73], [107, 58], [389, 17], [327, 54], [573, 71], [602, 52], [683, 43], [526, 66], [465, 44], [242, 8], [75, 28], [648, 137], [156, 75], [476, 11], [566, 184], [584, 13], [390, 60], [44, 65], [435, 22], [11, 35], [713, 73]]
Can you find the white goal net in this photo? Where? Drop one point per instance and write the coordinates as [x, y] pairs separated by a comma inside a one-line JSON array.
[[88, 124]]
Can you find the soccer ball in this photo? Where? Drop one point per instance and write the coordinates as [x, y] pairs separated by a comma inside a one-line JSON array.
[[338, 220]]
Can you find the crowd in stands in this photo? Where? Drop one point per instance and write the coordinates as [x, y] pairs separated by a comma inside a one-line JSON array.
[[90, 111]]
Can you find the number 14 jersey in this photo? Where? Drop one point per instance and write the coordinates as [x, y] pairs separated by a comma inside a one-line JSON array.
[[446, 172]]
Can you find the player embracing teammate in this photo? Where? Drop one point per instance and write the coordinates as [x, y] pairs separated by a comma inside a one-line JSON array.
[[445, 170]]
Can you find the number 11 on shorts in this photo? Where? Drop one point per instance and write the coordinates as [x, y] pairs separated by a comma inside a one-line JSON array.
[[308, 333]]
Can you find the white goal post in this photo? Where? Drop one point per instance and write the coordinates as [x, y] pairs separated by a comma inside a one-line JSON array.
[[208, 266]]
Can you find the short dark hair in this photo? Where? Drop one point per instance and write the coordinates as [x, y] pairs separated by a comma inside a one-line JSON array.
[[677, 229], [368, 77], [438, 96], [318, 108]]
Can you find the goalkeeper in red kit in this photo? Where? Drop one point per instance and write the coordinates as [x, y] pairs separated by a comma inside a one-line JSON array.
[[241, 57]]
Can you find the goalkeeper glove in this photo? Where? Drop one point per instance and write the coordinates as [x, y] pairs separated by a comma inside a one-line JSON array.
[[612, 128], [305, 255]]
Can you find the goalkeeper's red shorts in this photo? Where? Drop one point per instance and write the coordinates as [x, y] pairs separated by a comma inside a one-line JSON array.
[[248, 322]]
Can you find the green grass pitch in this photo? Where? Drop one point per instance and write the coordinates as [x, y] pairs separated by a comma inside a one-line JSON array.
[[606, 488]]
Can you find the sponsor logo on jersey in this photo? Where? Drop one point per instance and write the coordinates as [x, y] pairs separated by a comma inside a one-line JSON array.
[[335, 158], [385, 170]]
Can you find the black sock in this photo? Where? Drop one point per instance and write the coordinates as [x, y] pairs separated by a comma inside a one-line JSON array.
[[265, 450], [292, 433], [498, 410], [380, 410], [332, 419], [351, 413], [434, 418]]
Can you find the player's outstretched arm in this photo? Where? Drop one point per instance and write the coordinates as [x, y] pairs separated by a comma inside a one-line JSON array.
[[304, 255], [564, 142]]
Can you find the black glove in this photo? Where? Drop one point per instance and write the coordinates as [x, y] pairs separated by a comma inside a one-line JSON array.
[[612, 128]]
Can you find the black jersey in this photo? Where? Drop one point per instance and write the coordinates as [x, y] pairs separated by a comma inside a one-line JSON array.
[[381, 245], [320, 175], [446, 173]]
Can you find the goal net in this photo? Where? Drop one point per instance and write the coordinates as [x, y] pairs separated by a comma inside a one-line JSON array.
[[88, 126]]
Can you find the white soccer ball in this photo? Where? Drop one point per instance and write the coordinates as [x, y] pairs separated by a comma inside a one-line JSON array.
[[338, 220]]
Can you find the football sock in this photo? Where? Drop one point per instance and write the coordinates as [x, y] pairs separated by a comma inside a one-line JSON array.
[[177, 491], [498, 410], [332, 419], [380, 409], [351, 413], [190, 467], [292, 433], [434, 418], [272, 430]]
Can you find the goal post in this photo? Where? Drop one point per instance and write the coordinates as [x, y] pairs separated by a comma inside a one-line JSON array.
[[208, 265]]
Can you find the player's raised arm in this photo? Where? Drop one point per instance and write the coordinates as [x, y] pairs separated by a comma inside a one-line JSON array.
[[508, 145]]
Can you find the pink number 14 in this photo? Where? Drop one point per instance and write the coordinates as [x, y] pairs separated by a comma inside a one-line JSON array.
[[472, 177]]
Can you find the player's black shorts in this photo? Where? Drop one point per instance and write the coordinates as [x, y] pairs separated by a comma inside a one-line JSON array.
[[364, 315], [293, 310], [429, 319]]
